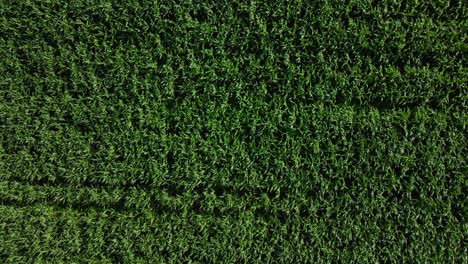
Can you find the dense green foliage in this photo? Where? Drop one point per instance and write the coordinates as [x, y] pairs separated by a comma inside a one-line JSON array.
[[232, 131]]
